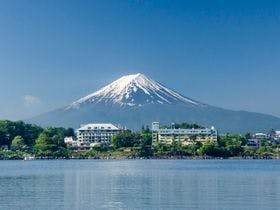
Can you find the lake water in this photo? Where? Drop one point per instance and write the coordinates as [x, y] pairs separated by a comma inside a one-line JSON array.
[[140, 184]]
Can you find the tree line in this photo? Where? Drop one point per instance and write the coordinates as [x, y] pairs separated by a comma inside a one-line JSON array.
[[24, 138], [226, 146], [27, 139]]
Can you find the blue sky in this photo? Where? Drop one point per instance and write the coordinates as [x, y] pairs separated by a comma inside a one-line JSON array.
[[224, 53]]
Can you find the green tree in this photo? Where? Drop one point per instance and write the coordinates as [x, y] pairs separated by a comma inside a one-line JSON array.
[[265, 152], [126, 139], [69, 132], [162, 149], [18, 143], [210, 148], [176, 148], [192, 149], [44, 145], [231, 145], [3, 140], [145, 144], [9, 130], [51, 143], [248, 136], [31, 133], [264, 142], [248, 151]]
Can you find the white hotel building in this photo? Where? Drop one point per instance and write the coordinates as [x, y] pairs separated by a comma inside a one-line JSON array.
[[100, 133], [186, 136]]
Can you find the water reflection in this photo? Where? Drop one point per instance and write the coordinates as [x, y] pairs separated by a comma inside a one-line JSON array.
[[142, 184]]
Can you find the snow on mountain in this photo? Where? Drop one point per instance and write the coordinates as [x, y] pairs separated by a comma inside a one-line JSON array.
[[134, 90], [136, 100]]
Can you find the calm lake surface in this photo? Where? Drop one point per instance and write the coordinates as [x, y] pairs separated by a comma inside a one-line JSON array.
[[140, 184]]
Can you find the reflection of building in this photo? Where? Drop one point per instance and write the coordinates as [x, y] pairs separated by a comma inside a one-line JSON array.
[[92, 134], [186, 136]]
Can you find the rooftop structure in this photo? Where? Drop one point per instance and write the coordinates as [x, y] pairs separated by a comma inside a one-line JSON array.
[[260, 136]]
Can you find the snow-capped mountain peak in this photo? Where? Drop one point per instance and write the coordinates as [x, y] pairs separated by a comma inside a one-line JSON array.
[[136, 100], [134, 90]]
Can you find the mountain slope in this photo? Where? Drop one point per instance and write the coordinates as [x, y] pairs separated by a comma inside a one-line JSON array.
[[136, 100], [134, 90]]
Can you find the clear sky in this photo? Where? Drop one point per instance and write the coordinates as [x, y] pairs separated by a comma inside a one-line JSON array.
[[224, 53]]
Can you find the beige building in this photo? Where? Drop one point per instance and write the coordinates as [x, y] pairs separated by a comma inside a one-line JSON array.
[[185, 136]]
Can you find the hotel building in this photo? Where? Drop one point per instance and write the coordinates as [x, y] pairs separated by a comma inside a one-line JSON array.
[[186, 136], [100, 133]]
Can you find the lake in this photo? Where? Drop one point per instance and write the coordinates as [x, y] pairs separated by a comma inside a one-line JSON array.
[[140, 184]]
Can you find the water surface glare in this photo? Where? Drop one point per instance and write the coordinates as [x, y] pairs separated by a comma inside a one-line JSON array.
[[140, 184]]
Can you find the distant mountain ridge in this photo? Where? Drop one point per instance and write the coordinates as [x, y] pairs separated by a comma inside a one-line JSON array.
[[136, 100]]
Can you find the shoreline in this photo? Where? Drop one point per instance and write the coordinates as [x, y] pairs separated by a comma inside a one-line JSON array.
[[145, 158]]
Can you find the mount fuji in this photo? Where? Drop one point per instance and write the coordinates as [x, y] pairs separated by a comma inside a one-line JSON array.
[[134, 90], [136, 100]]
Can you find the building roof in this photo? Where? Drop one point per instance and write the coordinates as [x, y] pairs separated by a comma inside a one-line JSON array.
[[277, 132], [99, 126], [260, 134]]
